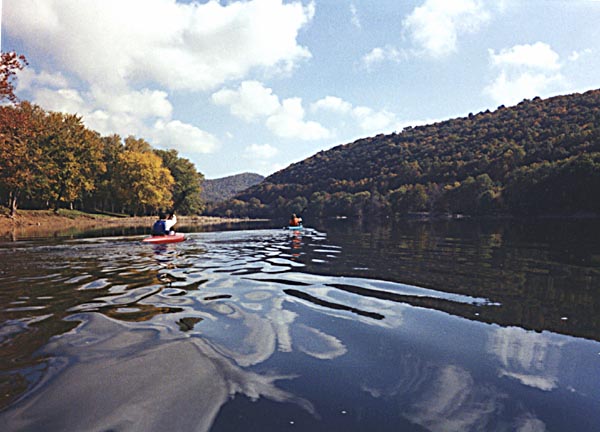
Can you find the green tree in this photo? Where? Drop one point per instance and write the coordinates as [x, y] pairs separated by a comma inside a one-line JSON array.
[[563, 187], [187, 188], [471, 196], [256, 207], [104, 197], [318, 203], [72, 159], [297, 205], [408, 198]]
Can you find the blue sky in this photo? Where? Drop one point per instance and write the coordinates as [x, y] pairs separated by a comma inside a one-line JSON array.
[[255, 85]]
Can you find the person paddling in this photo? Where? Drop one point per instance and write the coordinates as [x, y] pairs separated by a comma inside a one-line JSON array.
[[295, 220], [164, 224]]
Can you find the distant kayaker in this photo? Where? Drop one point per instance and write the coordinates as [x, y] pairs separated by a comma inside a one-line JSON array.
[[295, 220], [164, 224]]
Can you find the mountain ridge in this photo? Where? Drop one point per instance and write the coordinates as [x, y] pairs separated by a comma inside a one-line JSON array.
[[220, 189], [537, 157]]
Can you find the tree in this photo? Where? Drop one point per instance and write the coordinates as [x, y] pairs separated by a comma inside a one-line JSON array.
[[408, 198], [137, 145], [517, 159], [19, 154], [255, 207], [564, 187], [297, 205], [187, 187], [10, 63], [104, 197], [72, 159], [466, 197], [143, 181], [318, 203]]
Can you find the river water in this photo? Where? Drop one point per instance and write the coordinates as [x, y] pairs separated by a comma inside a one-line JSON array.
[[421, 326]]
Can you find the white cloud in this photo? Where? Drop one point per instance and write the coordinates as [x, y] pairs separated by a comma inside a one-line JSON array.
[[62, 100], [525, 71], [71, 101], [371, 121], [382, 54], [376, 55], [28, 78], [257, 151], [124, 53], [355, 20], [124, 113], [367, 119], [288, 122], [140, 104], [578, 55], [179, 46], [260, 158], [183, 137], [509, 90], [121, 112], [539, 55], [436, 25], [333, 104], [107, 123], [250, 101], [144, 103]]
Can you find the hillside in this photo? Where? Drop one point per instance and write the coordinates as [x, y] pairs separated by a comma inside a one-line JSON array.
[[539, 157], [224, 188]]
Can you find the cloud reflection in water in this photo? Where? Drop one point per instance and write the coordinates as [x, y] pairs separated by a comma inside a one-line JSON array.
[[130, 378]]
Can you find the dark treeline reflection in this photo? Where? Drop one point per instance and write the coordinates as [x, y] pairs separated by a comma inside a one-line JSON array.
[[537, 274]]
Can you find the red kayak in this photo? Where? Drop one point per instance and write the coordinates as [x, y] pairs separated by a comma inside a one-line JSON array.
[[170, 238]]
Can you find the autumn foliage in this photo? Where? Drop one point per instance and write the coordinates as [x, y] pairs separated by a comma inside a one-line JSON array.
[[52, 160], [10, 64]]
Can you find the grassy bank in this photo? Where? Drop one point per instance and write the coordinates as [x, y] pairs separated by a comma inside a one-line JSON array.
[[34, 223]]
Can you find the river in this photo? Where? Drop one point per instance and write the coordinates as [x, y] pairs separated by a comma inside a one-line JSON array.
[[419, 326]]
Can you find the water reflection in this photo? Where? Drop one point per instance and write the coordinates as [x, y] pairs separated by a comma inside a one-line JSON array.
[[447, 397], [452, 401], [146, 379], [544, 274], [531, 358], [319, 330]]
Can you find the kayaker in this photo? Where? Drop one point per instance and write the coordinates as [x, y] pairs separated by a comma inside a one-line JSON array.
[[164, 224], [295, 220]]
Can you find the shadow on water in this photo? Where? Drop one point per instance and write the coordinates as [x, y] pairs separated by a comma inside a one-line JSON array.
[[438, 326]]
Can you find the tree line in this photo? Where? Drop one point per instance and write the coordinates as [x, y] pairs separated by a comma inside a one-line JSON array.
[[540, 157], [51, 160]]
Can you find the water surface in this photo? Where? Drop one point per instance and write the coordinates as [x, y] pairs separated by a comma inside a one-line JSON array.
[[453, 326]]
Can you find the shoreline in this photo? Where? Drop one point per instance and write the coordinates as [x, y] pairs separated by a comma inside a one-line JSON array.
[[45, 223]]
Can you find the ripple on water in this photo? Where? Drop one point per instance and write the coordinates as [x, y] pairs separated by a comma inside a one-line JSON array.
[[201, 328]]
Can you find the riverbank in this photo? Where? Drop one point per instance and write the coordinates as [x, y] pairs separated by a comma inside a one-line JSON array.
[[46, 223]]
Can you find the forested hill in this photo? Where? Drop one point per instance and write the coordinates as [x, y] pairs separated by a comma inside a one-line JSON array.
[[220, 189], [538, 157]]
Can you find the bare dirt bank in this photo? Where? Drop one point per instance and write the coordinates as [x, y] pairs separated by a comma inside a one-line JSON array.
[[42, 223]]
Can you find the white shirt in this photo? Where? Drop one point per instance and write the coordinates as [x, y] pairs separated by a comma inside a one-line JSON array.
[[170, 222]]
